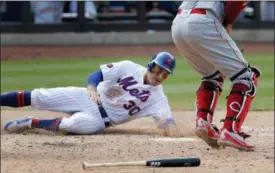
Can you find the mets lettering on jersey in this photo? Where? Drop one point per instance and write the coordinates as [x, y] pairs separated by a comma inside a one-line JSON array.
[[129, 81], [143, 95]]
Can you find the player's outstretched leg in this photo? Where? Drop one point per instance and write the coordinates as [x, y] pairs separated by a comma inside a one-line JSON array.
[[78, 123], [238, 104], [207, 98], [31, 122], [16, 99]]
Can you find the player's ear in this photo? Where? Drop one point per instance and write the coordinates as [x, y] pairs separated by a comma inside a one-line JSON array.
[[150, 66]]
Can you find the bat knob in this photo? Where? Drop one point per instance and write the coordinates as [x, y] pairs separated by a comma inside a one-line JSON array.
[[83, 166]]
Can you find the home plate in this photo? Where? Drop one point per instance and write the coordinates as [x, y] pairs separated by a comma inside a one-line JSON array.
[[166, 139]]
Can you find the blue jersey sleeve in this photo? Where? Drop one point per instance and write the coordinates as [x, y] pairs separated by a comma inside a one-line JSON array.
[[95, 78]]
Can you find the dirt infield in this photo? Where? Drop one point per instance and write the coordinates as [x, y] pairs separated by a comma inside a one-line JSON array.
[[41, 152], [35, 52]]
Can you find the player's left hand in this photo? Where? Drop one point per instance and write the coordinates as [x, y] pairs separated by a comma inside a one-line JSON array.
[[92, 94], [228, 29]]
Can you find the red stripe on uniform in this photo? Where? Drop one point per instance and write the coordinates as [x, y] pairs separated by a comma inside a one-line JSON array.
[[22, 99], [56, 124], [225, 39], [18, 99]]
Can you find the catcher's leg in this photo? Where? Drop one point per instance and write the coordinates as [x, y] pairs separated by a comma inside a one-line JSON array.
[[207, 98], [16, 99], [210, 88], [238, 105]]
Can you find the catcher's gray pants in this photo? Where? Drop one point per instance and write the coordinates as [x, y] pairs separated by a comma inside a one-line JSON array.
[[85, 116], [204, 42]]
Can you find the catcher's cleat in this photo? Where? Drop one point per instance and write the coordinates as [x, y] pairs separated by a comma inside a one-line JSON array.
[[208, 132], [18, 125], [232, 139], [244, 135]]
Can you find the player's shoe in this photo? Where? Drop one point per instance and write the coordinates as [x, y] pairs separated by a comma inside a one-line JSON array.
[[234, 140], [18, 125], [208, 132]]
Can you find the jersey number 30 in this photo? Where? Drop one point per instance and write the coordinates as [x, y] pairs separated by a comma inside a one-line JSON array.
[[132, 107]]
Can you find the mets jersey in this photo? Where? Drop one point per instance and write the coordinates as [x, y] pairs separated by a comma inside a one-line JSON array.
[[125, 96]]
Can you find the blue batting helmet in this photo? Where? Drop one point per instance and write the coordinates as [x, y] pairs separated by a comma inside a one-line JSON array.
[[164, 60]]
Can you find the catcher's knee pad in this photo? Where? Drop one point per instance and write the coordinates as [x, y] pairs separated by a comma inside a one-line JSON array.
[[240, 99], [247, 76], [208, 94]]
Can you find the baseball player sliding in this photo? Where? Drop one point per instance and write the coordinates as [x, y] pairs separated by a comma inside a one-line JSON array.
[[116, 93], [201, 32]]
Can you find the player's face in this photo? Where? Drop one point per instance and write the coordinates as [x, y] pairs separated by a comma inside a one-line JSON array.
[[157, 75]]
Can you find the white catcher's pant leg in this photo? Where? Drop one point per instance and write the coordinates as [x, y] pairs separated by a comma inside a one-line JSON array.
[[200, 64], [208, 39], [85, 119]]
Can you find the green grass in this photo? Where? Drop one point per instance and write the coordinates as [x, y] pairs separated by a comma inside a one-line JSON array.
[[180, 88]]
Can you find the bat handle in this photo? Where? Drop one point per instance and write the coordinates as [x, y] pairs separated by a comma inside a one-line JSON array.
[[86, 165]]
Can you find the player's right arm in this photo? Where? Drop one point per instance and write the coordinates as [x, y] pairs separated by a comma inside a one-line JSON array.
[[232, 10], [228, 29], [164, 120]]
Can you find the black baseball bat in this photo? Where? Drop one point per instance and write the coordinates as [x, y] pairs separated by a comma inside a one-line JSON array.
[[167, 162], [174, 162]]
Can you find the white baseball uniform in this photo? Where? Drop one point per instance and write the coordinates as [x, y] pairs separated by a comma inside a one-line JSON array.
[[123, 94]]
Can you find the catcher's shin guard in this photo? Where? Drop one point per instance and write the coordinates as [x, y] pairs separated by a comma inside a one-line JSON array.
[[239, 102], [207, 97]]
